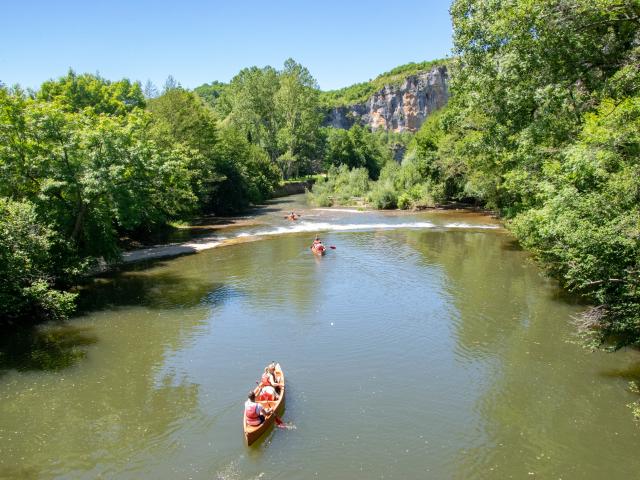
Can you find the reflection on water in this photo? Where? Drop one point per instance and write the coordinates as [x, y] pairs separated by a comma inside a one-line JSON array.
[[52, 347], [409, 353]]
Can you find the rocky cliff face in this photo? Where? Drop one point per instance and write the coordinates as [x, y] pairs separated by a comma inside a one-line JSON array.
[[397, 107]]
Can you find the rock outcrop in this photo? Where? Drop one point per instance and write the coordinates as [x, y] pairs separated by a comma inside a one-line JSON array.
[[397, 108]]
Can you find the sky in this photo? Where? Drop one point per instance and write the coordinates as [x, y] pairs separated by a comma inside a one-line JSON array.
[[340, 42]]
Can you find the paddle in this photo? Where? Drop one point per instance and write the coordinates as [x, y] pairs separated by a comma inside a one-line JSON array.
[[332, 247], [278, 421]]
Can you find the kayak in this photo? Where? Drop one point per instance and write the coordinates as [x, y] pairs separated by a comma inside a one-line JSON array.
[[318, 250], [252, 433]]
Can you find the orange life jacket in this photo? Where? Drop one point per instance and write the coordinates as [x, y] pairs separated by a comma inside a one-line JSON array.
[[251, 412], [267, 393], [264, 380]]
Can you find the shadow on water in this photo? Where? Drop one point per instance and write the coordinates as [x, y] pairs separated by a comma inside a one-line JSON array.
[[49, 347], [138, 287], [630, 372], [512, 245], [262, 209], [23, 473]]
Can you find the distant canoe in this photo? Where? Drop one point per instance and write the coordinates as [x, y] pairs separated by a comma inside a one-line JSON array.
[[318, 250], [252, 433]]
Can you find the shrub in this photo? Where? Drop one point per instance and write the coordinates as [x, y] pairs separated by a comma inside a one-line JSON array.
[[341, 187], [26, 266]]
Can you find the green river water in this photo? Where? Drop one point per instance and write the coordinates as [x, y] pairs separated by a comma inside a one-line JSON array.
[[426, 345]]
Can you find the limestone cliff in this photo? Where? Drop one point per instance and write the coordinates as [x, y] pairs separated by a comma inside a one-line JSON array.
[[397, 107]]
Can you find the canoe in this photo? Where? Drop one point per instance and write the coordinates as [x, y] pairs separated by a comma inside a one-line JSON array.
[[319, 250], [252, 433]]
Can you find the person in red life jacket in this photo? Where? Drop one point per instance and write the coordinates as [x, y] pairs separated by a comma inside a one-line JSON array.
[[253, 411], [317, 243], [267, 393], [269, 379]]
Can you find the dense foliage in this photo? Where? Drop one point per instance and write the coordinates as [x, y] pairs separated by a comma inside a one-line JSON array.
[[84, 161], [227, 173], [546, 104], [341, 186], [278, 111], [210, 92], [26, 265], [356, 147]]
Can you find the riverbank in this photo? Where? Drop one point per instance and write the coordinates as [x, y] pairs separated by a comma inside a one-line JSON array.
[[205, 234]]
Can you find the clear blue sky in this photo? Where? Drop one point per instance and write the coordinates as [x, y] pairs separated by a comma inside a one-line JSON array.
[[340, 42]]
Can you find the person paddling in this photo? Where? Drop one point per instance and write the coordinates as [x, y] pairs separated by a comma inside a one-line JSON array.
[[317, 245], [253, 411]]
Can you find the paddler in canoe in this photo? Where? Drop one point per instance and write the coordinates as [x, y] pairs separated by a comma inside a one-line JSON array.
[[269, 386], [317, 247], [254, 413]]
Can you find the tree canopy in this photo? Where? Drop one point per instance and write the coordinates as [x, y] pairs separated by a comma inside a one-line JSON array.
[[84, 161], [277, 110]]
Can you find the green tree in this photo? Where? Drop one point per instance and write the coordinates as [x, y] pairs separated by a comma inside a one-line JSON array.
[[278, 111], [249, 105], [249, 175], [544, 118], [150, 90], [210, 92], [77, 92], [355, 148], [89, 174], [27, 261], [299, 117], [227, 173]]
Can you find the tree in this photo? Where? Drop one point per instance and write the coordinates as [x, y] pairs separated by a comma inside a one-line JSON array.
[[249, 105], [89, 174], [210, 92], [249, 174], [277, 110], [77, 92], [150, 90], [170, 84], [544, 118], [181, 117], [297, 104], [27, 260], [355, 148], [227, 173]]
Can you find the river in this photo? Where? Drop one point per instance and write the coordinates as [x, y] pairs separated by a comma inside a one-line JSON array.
[[425, 345]]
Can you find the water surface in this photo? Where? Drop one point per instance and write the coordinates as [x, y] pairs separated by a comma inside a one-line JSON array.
[[424, 346]]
